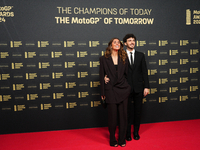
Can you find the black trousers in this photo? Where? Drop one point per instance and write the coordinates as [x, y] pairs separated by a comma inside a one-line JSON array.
[[134, 111], [115, 112]]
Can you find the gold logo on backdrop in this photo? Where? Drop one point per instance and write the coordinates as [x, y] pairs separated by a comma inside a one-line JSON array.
[[163, 99], [192, 17], [4, 54], [95, 103], [69, 43], [71, 105], [19, 107], [46, 106], [4, 98], [93, 43], [32, 96], [153, 90], [5, 12], [183, 98], [188, 17]]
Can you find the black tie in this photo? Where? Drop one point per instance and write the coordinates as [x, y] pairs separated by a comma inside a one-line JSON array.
[[131, 59]]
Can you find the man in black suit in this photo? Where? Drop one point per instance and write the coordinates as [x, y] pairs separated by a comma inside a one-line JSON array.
[[138, 80]]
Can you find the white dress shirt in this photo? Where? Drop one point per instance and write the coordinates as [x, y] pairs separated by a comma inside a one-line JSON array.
[[129, 55]]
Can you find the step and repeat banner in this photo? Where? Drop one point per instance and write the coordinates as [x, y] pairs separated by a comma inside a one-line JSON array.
[[49, 60]]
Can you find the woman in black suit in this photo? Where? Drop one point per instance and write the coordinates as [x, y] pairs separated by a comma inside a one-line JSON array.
[[114, 65]]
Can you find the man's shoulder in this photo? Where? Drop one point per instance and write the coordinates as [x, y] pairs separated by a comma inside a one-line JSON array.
[[139, 53]]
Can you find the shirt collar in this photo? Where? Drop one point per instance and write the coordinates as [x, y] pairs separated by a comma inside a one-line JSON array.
[[128, 52]]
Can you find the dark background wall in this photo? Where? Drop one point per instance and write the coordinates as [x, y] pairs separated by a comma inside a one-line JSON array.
[[49, 60]]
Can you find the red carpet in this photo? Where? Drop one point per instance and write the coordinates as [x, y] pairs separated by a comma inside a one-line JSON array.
[[177, 135]]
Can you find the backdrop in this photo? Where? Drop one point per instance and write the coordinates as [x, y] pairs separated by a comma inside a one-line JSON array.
[[49, 60]]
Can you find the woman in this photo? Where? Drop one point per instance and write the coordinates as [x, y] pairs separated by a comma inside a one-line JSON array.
[[114, 65]]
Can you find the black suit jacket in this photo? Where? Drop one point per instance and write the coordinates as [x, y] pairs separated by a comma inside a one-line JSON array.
[[138, 74], [118, 88]]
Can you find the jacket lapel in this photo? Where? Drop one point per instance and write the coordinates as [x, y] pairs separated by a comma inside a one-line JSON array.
[[135, 60], [120, 65], [111, 66]]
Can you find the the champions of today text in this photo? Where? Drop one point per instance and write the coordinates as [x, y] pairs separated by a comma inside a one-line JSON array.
[[81, 15]]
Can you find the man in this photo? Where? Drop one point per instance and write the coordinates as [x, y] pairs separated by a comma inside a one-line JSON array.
[[138, 80]]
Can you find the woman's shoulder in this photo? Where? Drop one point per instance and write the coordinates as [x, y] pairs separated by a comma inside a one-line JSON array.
[[102, 57]]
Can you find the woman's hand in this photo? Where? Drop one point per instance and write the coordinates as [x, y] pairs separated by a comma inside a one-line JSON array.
[[103, 97], [106, 79]]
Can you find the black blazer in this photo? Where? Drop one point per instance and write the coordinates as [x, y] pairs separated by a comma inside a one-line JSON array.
[[118, 88], [138, 74]]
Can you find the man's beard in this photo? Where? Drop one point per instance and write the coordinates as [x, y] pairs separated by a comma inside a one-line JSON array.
[[130, 47]]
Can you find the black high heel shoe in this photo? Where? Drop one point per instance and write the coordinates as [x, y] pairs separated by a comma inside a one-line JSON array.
[[122, 145], [114, 145]]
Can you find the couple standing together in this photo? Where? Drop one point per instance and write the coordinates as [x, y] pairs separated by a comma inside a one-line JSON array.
[[124, 83]]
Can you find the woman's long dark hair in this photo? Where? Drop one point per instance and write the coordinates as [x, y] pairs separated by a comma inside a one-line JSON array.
[[121, 52]]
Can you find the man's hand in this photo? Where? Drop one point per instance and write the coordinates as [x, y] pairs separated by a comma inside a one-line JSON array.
[[146, 92], [106, 79]]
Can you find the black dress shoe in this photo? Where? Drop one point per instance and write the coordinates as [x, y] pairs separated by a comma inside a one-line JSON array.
[[128, 138], [136, 136]]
